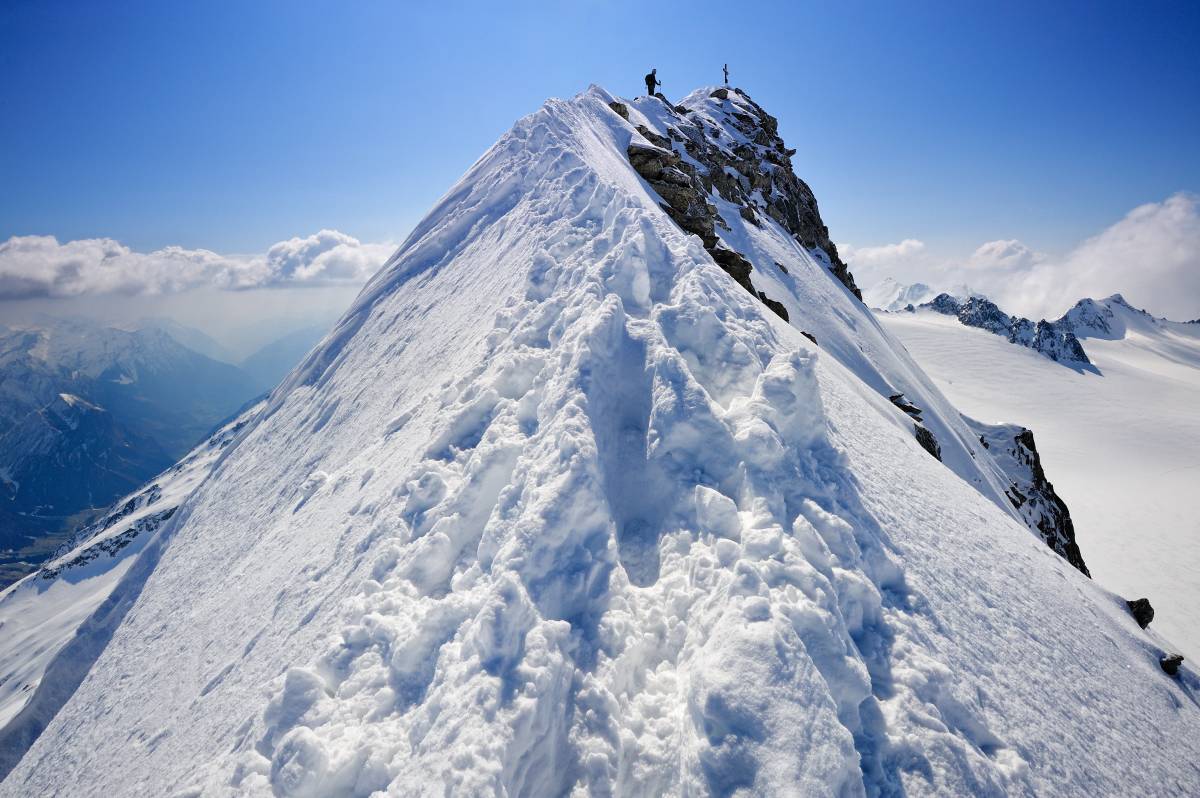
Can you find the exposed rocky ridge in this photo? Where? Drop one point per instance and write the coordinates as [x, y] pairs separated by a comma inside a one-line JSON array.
[[110, 545], [1013, 449], [1110, 318], [741, 159], [1055, 340]]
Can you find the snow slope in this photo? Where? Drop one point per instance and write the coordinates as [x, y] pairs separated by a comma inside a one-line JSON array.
[[49, 619], [560, 508], [1121, 445]]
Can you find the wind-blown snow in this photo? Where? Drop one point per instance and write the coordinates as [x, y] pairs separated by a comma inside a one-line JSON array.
[[559, 507], [54, 621]]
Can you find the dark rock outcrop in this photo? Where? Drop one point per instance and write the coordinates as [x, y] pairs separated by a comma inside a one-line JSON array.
[[943, 303], [1031, 494], [928, 441], [1170, 663], [908, 407], [1141, 611], [778, 307]]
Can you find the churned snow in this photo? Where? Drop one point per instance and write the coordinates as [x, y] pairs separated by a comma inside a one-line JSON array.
[[559, 508], [1120, 442]]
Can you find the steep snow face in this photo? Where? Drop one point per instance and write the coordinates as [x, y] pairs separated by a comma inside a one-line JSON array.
[[1118, 443], [560, 507], [54, 621]]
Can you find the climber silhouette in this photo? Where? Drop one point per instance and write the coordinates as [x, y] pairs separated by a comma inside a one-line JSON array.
[[652, 81]]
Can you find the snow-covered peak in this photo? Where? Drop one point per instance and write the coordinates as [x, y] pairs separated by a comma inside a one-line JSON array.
[[1111, 318], [595, 491], [890, 295]]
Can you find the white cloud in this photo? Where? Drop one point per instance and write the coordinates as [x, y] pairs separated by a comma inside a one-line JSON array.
[[41, 266], [1152, 257], [1009, 256], [887, 254], [871, 265]]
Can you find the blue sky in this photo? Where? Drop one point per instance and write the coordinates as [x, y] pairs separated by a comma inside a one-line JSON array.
[[233, 125]]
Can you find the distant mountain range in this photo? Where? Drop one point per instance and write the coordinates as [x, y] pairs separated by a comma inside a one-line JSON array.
[[90, 412], [1118, 436], [1108, 319], [889, 294]]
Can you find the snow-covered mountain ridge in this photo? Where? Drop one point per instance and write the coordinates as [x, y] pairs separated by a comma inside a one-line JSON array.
[[1055, 340], [561, 507], [142, 400], [891, 295], [51, 621]]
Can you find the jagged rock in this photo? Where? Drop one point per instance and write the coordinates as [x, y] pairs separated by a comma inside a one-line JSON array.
[[736, 265], [1058, 343], [984, 314], [1171, 663], [1055, 340], [778, 307], [1031, 494], [928, 441], [1141, 610], [809, 336], [620, 109], [943, 303], [757, 176], [677, 183], [908, 407]]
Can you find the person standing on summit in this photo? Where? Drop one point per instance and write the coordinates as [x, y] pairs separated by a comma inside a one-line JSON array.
[[652, 81]]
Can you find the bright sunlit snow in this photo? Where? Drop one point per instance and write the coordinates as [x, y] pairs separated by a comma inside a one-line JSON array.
[[560, 508], [1121, 442]]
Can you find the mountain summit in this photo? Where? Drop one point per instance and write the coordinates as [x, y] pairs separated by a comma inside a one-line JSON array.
[[608, 484]]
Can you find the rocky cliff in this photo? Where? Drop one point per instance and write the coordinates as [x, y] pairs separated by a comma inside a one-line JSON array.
[[734, 154], [1013, 449]]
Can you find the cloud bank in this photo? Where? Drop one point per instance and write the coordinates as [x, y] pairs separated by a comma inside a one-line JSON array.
[[1151, 256], [42, 267]]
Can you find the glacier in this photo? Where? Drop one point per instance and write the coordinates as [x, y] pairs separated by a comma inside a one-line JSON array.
[[1118, 442], [561, 508]]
